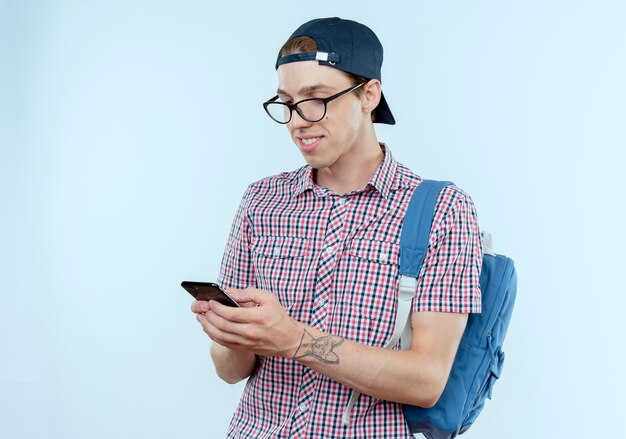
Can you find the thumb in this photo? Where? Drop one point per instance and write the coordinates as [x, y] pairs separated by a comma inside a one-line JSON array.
[[255, 295], [243, 295]]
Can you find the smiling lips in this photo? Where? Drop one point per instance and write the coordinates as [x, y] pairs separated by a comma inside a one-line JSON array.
[[308, 144], [310, 141]]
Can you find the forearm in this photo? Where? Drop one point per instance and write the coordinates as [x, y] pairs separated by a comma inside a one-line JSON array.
[[401, 376], [416, 376], [232, 365]]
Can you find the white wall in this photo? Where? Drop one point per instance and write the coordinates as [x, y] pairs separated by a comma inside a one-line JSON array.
[[129, 130]]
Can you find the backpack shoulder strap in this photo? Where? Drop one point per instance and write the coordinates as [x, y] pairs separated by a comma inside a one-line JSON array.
[[418, 221], [414, 240]]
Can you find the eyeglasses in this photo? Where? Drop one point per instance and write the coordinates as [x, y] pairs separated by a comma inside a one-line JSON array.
[[311, 110]]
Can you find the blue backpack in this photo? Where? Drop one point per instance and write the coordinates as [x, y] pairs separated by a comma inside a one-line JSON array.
[[479, 358]]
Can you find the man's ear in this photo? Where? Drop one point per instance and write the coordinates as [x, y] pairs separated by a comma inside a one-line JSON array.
[[371, 95]]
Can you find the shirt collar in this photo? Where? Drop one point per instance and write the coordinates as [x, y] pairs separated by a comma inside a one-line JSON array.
[[303, 181], [385, 180]]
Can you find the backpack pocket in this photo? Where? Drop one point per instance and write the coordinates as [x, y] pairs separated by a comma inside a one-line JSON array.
[[495, 369]]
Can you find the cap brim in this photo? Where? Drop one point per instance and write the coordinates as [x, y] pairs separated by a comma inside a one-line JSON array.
[[383, 113]]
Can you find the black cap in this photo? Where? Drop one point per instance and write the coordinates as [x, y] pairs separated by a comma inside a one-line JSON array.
[[345, 45]]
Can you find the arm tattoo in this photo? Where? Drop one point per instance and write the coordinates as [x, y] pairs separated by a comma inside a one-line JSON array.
[[320, 348]]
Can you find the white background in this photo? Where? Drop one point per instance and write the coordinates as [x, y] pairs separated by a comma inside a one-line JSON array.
[[129, 131]]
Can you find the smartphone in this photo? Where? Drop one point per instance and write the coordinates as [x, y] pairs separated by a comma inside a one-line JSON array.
[[208, 291]]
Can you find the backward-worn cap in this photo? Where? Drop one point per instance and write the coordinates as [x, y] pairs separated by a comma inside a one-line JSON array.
[[345, 45]]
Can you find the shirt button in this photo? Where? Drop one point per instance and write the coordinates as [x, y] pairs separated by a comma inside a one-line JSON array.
[[383, 256], [276, 251], [303, 407], [330, 250], [342, 201]]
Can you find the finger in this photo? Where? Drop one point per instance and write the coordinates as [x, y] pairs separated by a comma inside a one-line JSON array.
[[242, 299], [247, 304], [219, 335], [224, 325], [231, 313], [258, 296], [247, 332], [199, 306], [241, 296]]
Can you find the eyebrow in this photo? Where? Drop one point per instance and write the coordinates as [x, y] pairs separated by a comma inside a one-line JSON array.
[[308, 90]]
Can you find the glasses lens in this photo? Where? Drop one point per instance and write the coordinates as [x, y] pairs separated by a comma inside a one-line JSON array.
[[278, 111], [312, 110]]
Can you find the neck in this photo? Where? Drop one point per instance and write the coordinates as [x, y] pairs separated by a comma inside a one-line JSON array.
[[353, 170]]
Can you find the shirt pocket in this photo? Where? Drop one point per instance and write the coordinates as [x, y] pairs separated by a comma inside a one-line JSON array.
[[280, 247], [371, 290], [378, 252], [280, 266]]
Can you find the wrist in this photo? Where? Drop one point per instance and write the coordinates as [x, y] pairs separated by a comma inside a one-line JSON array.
[[296, 339], [232, 365]]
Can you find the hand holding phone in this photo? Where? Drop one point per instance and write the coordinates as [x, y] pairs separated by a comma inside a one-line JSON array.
[[206, 291]]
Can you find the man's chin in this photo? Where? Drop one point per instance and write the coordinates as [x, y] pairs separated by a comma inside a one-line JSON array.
[[314, 162]]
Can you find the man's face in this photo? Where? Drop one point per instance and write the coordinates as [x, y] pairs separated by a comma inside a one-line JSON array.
[[335, 138]]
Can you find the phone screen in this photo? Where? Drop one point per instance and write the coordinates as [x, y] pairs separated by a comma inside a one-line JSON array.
[[208, 291]]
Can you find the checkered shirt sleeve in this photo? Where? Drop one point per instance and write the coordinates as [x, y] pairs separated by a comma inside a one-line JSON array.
[[448, 279], [237, 270]]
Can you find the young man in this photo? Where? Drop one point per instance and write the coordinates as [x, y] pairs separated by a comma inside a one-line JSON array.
[[313, 258]]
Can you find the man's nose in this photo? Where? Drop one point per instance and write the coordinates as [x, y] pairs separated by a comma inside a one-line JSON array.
[[297, 121]]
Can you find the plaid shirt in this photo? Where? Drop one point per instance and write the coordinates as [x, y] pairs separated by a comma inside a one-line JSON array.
[[332, 260]]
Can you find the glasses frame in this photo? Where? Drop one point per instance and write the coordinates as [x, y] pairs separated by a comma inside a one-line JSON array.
[[295, 106]]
